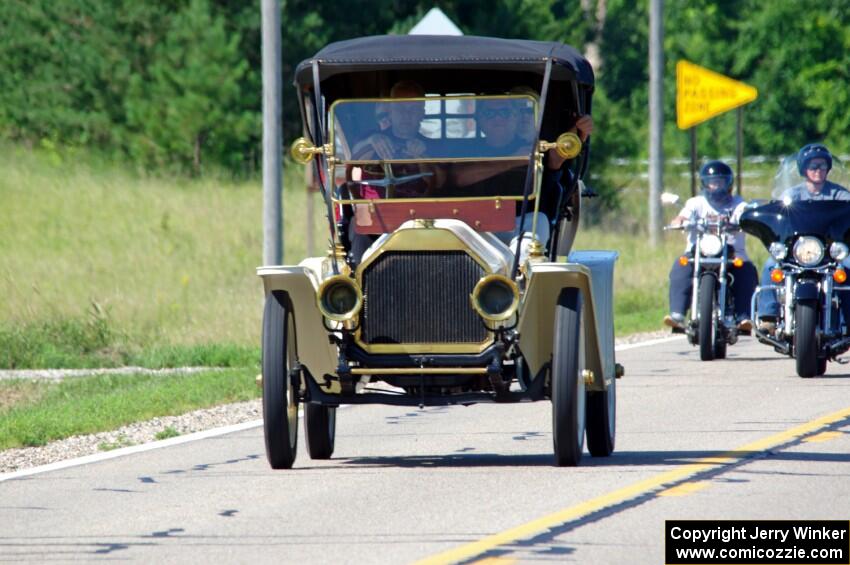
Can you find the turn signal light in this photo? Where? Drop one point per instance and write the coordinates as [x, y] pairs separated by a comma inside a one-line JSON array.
[[777, 275], [738, 262], [683, 260], [839, 276]]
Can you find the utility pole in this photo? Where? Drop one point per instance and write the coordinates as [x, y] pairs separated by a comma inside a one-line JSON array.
[[656, 117], [272, 135]]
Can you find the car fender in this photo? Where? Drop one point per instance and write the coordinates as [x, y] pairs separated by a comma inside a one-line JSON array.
[[592, 274], [301, 282]]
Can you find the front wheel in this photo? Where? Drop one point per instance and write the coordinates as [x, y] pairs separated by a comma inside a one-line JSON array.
[[707, 326], [280, 402], [805, 338], [568, 391]]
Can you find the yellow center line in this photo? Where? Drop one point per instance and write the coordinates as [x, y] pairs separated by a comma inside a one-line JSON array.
[[823, 436], [673, 476], [684, 488]]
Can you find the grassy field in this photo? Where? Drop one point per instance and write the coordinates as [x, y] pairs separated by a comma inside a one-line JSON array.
[[36, 412], [106, 266], [118, 265]]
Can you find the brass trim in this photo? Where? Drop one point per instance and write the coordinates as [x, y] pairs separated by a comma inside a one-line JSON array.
[[332, 121], [345, 280], [303, 151], [377, 201], [473, 298], [568, 145], [435, 348], [420, 371], [518, 158]]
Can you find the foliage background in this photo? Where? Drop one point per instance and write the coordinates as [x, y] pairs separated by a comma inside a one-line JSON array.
[[176, 84], [130, 137]]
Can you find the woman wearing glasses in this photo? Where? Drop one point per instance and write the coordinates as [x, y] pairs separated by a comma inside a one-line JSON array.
[[814, 161]]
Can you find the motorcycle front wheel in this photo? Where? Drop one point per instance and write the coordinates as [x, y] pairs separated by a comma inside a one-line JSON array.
[[707, 325], [805, 338]]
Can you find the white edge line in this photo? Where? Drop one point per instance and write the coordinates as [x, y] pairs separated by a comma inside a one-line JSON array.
[[649, 343], [96, 457]]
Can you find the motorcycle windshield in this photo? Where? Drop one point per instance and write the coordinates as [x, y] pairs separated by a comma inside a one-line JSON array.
[[782, 222]]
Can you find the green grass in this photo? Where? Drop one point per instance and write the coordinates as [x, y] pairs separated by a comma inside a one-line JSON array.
[[103, 266], [36, 413]]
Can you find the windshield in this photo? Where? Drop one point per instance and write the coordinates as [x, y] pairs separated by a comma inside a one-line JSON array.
[[444, 128], [788, 181], [450, 147]]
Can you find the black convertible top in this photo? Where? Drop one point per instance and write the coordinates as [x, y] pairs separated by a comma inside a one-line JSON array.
[[434, 52]]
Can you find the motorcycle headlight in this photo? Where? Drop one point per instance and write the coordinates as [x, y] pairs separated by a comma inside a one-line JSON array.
[[838, 251], [778, 250], [710, 245], [808, 251]]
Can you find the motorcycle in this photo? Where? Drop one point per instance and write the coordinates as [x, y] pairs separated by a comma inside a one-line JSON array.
[[808, 240], [711, 323]]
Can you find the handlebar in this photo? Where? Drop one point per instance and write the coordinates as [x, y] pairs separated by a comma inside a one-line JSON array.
[[702, 225]]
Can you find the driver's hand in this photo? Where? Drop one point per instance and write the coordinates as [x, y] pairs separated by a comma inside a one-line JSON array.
[[584, 127], [414, 147], [382, 145]]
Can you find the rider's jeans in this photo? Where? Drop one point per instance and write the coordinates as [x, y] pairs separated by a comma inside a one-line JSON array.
[[742, 288]]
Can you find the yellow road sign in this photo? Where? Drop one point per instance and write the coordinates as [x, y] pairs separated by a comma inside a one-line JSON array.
[[702, 94]]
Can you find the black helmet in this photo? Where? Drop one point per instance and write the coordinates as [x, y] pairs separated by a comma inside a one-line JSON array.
[[812, 151], [714, 171]]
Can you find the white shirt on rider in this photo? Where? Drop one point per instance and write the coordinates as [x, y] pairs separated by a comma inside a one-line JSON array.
[[698, 208]]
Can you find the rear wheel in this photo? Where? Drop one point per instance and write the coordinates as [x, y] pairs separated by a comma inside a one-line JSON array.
[[805, 338], [602, 420], [320, 430], [707, 326], [568, 391], [822, 366], [280, 402]]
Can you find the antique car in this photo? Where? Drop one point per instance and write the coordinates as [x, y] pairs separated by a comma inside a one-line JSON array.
[[437, 287]]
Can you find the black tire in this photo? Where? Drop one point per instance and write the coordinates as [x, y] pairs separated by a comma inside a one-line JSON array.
[[707, 326], [568, 391], [602, 420], [805, 338], [720, 347], [280, 403], [822, 366], [320, 430]]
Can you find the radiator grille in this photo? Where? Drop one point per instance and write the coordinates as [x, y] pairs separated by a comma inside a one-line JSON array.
[[421, 297]]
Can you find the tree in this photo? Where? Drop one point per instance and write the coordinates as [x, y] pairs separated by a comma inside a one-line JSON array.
[[190, 105]]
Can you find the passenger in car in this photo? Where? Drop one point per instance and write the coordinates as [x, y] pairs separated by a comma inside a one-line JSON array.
[[499, 121]]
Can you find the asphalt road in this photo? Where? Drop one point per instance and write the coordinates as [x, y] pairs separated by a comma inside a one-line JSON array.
[[742, 438]]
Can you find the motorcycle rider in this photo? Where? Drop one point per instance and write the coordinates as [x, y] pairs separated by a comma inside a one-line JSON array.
[[814, 161], [716, 199]]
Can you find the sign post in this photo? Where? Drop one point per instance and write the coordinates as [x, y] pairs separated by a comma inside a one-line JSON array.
[[702, 94]]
